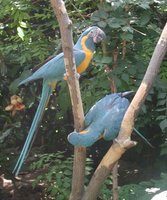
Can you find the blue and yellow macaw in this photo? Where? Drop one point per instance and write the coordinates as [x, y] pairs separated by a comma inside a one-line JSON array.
[[52, 72], [103, 121]]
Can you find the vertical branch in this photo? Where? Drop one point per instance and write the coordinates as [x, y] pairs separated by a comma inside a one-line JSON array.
[[123, 49], [123, 139], [73, 84], [115, 182], [115, 168]]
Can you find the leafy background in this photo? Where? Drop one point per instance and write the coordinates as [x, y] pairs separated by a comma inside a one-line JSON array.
[[29, 34]]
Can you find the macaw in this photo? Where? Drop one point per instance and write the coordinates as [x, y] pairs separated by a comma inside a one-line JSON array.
[[54, 71], [103, 121]]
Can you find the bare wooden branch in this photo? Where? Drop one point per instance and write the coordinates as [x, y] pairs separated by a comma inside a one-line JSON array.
[[73, 84], [115, 182], [123, 139]]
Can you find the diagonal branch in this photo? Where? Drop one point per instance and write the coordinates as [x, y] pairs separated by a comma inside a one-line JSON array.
[[123, 139], [73, 84]]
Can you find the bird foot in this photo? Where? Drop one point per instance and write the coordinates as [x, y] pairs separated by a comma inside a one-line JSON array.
[[65, 76], [126, 143], [77, 75]]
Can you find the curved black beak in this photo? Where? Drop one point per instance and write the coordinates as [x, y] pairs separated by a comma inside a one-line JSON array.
[[99, 36], [127, 93]]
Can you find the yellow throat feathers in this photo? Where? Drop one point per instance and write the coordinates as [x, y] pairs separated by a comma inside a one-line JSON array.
[[88, 56]]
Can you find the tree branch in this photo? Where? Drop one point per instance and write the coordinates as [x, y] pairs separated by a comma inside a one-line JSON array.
[[115, 182], [123, 139], [73, 84]]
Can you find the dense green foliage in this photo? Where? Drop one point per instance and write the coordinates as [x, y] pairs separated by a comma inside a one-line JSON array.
[[59, 173], [59, 177], [29, 34], [144, 190]]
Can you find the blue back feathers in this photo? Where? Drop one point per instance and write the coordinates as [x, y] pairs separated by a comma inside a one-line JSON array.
[[102, 121]]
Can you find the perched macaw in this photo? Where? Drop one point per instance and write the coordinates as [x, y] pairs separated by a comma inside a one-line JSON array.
[[52, 72], [103, 121]]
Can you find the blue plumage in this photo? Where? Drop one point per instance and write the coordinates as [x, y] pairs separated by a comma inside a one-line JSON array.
[[52, 72], [103, 121]]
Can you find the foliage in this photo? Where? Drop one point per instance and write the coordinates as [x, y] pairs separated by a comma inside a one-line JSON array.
[[58, 174], [29, 34], [106, 191], [134, 27], [144, 190]]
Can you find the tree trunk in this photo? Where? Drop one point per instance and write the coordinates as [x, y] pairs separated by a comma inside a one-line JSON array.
[[73, 84]]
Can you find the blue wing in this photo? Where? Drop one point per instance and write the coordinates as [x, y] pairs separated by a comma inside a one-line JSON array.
[[113, 118], [54, 69]]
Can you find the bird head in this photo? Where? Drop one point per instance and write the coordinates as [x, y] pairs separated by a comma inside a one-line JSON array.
[[95, 33], [89, 37]]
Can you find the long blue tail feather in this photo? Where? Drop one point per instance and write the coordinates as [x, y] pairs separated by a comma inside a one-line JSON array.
[[146, 141], [26, 81], [46, 92]]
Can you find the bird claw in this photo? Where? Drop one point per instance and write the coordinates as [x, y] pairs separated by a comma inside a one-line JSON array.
[[65, 76], [77, 75], [127, 143]]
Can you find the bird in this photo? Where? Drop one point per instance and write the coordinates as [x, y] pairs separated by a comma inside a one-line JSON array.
[[103, 120], [52, 72]]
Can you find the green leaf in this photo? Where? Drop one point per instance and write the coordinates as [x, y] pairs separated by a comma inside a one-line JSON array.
[[54, 191], [125, 77], [144, 5], [67, 185], [95, 17], [17, 124], [127, 29], [106, 59], [68, 172], [161, 102], [113, 24], [149, 98], [60, 197], [116, 22], [102, 24], [161, 95], [163, 124], [163, 150], [161, 117], [161, 109], [14, 85], [20, 32], [117, 81], [127, 36], [23, 24], [102, 14], [144, 19], [143, 108], [5, 134]]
